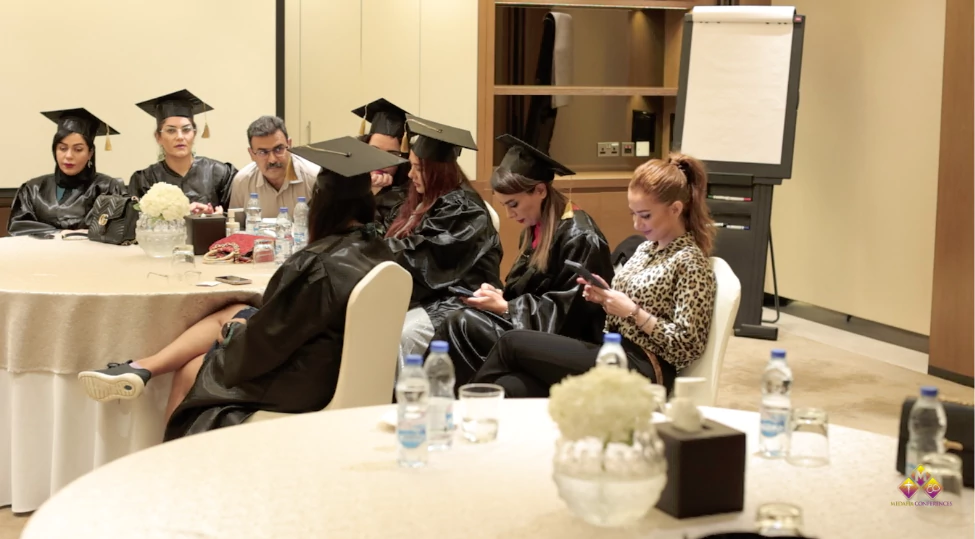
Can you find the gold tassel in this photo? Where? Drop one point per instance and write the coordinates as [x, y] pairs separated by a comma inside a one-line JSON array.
[[404, 145], [568, 213], [206, 124], [108, 138], [362, 127]]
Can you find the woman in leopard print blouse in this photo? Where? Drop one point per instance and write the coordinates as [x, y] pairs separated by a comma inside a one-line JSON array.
[[660, 302]]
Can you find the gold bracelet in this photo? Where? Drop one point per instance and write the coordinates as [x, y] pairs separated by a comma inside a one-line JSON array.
[[643, 325]]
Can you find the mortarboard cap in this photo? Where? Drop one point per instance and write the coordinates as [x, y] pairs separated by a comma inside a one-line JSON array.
[[522, 158], [182, 103], [438, 142], [347, 163], [82, 121], [384, 118]]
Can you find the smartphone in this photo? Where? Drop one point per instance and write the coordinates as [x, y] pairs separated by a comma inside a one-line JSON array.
[[581, 271], [233, 279], [42, 236], [461, 291]]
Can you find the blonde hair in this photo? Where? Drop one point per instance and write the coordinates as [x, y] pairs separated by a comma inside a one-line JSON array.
[[680, 178]]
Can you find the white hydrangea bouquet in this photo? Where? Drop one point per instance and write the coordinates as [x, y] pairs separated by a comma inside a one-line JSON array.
[[164, 202], [609, 464]]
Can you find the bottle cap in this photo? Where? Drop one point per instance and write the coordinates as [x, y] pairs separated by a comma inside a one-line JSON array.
[[283, 210], [929, 391], [612, 338], [440, 347], [302, 199], [414, 360], [778, 353], [253, 195]]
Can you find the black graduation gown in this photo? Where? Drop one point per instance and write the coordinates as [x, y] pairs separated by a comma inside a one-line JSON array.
[[551, 301], [287, 357], [455, 244], [390, 197], [207, 182], [36, 207]]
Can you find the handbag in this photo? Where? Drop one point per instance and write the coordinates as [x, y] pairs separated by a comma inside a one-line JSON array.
[[113, 219], [959, 436], [233, 248]]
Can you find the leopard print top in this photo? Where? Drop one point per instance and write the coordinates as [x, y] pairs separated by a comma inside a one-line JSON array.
[[675, 284]]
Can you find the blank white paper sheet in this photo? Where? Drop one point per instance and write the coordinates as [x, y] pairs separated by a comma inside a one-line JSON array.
[[737, 83]]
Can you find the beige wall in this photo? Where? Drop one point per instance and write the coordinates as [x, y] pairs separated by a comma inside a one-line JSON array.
[[108, 56], [342, 54], [854, 227]]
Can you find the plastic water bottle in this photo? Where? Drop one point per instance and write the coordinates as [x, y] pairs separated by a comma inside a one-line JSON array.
[[926, 425], [284, 243], [299, 231], [253, 213], [776, 406], [412, 393], [440, 373], [612, 352]]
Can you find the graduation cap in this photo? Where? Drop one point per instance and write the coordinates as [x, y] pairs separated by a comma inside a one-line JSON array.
[[438, 142], [523, 158], [84, 122], [384, 118], [182, 103], [347, 163]]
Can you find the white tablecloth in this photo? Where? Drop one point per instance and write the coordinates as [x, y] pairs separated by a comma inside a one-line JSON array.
[[334, 474], [67, 306]]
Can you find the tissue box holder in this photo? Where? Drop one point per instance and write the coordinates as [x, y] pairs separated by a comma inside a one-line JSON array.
[[203, 231], [705, 470]]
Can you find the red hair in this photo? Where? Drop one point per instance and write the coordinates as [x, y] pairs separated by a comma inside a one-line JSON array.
[[439, 178]]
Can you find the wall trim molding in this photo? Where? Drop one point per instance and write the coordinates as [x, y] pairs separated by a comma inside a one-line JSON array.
[[279, 59]]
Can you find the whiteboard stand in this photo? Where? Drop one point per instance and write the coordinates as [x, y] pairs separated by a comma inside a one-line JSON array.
[[707, 104]]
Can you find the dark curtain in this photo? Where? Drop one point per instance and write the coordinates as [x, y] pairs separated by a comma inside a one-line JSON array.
[[540, 123]]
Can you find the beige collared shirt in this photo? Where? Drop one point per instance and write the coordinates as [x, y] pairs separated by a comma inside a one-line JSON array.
[[250, 180]]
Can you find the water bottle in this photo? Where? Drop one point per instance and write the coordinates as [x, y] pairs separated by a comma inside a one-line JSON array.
[[299, 231], [284, 242], [440, 373], [612, 352], [412, 392], [776, 406], [253, 213], [926, 425]]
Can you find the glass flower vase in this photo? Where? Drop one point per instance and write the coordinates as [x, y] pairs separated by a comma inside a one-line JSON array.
[[158, 237], [611, 484]]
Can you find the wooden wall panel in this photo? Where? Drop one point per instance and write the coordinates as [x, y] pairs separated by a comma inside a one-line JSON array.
[[5, 203], [951, 345]]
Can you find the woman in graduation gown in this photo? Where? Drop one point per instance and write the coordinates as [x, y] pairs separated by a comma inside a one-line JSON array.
[[540, 291], [387, 131], [284, 357], [62, 200], [206, 182], [442, 233]]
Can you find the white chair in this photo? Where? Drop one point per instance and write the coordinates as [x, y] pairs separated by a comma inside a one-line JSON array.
[[373, 323], [495, 220], [722, 322]]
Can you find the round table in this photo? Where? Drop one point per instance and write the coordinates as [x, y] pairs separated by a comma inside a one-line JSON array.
[[334, 474], [70, 305]]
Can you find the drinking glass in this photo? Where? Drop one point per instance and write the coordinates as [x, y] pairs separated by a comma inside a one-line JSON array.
[[809, 445], [779, 520], [481, 407], [263, 251], [660, 398], [941, 494]]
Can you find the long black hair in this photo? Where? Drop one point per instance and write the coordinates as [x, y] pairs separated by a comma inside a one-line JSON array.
[[331, 211]]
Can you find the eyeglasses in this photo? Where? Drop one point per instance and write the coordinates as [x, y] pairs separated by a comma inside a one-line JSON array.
[[172, 131], [278, 151]]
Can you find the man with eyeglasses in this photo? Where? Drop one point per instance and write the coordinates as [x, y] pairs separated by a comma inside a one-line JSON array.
[[276, 175]]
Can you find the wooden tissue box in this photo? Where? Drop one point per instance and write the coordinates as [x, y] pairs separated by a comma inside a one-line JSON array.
[[202, 231], [705, 470]]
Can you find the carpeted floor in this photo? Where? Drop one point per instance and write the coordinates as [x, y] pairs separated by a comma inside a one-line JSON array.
[[855, 390]]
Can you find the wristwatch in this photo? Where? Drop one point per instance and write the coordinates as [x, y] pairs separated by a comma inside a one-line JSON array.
[[632, 316]]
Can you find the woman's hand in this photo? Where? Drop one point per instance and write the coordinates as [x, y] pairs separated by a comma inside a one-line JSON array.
[[197, 208], [613, 302], [380, 180], [488, 298]]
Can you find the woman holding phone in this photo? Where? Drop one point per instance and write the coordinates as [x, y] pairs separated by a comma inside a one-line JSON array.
[[540, 291], [661, 301]]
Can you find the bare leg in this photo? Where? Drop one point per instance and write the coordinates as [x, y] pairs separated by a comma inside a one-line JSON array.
[[194, 342], [183, 380]]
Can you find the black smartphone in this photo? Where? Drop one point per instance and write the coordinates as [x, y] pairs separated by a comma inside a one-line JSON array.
[[461, 291], [233, 279], [581, 271], [42, 236]]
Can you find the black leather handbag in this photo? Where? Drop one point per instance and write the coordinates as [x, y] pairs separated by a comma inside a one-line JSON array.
[[113, 219]]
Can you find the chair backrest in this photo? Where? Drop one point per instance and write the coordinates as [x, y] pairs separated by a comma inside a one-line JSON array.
[[373, 323], [495, 220], [722, 321]]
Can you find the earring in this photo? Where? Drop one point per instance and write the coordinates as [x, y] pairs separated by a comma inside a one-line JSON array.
[[89, 163]]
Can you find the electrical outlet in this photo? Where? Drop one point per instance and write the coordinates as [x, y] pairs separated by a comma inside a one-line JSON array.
[[627, 149], [608, 149]]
